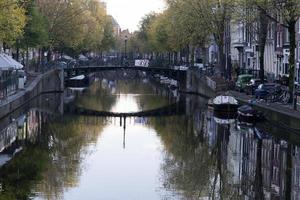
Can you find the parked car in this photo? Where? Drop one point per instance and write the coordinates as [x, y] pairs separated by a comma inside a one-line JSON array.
[[242, 81], [264, 90], [252, 85]]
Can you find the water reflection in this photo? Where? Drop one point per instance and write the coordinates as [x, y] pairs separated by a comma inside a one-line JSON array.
[[184, 156]]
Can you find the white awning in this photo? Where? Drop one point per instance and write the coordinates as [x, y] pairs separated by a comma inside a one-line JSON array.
[[7, 63]]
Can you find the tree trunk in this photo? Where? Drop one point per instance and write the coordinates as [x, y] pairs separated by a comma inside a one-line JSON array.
[[203, 55], [18, 53], [27, 59], [192, 56], [292, 37], [263, 31], [187, 56], [222, 58], [49, 55]]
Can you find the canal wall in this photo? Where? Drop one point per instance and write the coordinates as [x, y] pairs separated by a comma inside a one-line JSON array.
[[196, 83], [49, 82]]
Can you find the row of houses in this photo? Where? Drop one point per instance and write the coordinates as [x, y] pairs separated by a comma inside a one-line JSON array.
[[241, 48]]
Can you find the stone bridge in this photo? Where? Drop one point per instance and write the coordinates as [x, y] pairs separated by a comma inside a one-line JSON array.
[[179, 75]]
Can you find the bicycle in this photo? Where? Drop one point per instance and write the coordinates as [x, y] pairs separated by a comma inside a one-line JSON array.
[[285, 97]]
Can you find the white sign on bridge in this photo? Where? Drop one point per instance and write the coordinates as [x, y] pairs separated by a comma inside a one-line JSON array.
[[141, 63]]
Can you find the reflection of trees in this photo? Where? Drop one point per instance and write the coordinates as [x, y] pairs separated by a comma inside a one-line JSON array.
[[186, 166], [96, 98], [69, 141], [18, 176], [136, 86], [52, 159], [148, 98], [102, 99], [192, 167]]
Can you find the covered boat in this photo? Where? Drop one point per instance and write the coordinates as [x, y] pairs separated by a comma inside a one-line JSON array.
[[78, 81], [247, 113], [225, 104]]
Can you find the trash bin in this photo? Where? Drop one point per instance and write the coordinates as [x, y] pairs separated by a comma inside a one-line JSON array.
[[21, 79]]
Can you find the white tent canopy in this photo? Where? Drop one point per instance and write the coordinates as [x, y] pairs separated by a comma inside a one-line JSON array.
[[7, 63]]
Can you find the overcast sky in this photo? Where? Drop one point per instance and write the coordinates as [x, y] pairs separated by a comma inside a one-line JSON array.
[[128, 13]]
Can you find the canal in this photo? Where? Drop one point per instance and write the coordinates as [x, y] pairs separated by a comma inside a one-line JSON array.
[[132, 139]]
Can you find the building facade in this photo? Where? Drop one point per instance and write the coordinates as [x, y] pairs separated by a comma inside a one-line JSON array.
[[244, 49]]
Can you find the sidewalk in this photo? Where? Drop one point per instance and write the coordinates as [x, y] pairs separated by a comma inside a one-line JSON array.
[[275, 107], [31, 76]]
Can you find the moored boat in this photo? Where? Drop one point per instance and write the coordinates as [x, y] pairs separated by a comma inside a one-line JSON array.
[[225, 104], [247, 113], [78, 81]]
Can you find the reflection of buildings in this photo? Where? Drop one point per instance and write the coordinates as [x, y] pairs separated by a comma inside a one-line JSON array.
[[25, 127], [296, 174], [249, 145], [234, 156], [240, 148]]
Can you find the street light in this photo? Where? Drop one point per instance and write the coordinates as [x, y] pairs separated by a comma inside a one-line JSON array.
[[126, 38]]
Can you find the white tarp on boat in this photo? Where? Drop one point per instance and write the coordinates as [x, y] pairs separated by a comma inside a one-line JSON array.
[[7, 62], [219, 100], [83, 58], [80, 77], [67, 57]]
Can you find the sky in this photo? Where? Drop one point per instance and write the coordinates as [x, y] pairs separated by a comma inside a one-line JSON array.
[[128, 13]]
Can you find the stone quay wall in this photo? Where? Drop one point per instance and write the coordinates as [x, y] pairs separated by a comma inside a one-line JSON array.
[[49, 82], [196, 83]]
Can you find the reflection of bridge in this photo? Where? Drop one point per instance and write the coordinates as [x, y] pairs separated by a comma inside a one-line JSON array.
[[177, 108], [178, 75], [170, 110]]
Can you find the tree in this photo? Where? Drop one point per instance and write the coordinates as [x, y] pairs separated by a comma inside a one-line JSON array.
[[197, 20], [12, 21], [158, 35], [94, 27], [35, 32], [108, 40], [65, 22], [143, 34]]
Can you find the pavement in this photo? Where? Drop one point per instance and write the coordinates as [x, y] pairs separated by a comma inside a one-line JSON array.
[[285, 109], [31, 76]]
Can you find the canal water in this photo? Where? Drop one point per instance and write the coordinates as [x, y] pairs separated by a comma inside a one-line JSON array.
[[132, 140]]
